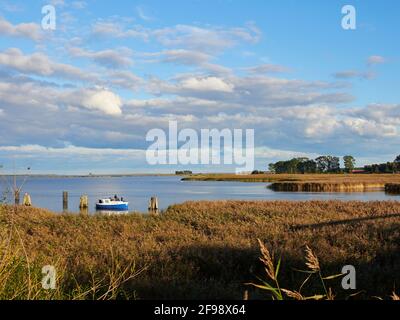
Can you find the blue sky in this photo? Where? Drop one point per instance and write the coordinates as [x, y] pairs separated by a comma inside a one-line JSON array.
[[82, 97]]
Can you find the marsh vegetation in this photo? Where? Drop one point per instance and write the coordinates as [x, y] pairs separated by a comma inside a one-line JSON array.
[[198, 250]]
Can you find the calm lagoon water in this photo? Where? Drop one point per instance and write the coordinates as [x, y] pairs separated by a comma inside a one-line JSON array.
[[47, 192]]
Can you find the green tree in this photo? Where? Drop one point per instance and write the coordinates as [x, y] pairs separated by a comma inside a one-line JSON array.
[[271, 167], [333, 164], [349, 163], [307, 166], [322, 163]]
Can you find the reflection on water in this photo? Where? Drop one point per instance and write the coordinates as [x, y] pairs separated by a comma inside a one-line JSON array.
[[110, 212], [47, 192]]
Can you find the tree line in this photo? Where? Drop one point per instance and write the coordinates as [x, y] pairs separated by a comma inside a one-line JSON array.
[[388, 167], [322, 164], [331, 164]]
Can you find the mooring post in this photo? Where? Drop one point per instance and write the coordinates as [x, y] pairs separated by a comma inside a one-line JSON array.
[[16, 197], [153, 205], [84, 204], [65, 201], [27, 200]]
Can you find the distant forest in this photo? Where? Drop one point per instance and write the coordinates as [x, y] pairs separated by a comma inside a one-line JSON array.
[[330, 164]]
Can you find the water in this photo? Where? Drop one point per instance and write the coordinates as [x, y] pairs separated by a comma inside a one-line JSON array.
[[47, 192]]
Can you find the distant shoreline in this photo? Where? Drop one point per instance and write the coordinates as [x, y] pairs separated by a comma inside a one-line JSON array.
[[92, 176]]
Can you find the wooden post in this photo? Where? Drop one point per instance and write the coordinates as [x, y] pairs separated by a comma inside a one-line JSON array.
[[16, 197], [65, 201], [27, 200], [84, 205], [153, 205]]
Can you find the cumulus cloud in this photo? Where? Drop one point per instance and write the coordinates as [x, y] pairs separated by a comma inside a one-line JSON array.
[[254, 91], [212, 39], [23, 30], [39, 64], [102, 100], [206, 84], [205, 39], [189, 58], [40, 97], [193, 86], [183, 56], [116, 30], [369, 128], [124, 79], [306, 117], [110, 58]]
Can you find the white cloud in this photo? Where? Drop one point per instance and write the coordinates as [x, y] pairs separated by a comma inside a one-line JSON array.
[[370, 128], [23, 30], [71, 150], [204, 39], [206, 84], [271, 153], [183, 56], [252, 91], [267, 68], [375, 60], [124, 79], [210, 39], [116, 30], [102, 100], [39, 64], [189, 58], [350, 74], [111, 58]]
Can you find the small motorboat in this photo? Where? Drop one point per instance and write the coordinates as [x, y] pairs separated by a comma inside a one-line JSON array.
[[112, 205]]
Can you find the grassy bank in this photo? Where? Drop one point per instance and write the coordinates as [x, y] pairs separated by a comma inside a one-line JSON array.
[[199, 250]]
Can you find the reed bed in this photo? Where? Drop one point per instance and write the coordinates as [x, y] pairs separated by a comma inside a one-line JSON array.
[[393, 188], [326, 186], [198, 250]]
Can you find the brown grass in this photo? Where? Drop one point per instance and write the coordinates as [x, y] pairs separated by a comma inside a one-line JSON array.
[[201, 250]]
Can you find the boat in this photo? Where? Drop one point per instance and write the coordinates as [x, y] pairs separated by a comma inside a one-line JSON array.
[[112, 205]]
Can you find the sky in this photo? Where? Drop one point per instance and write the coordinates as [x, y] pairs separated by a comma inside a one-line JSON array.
[[82, 98]]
